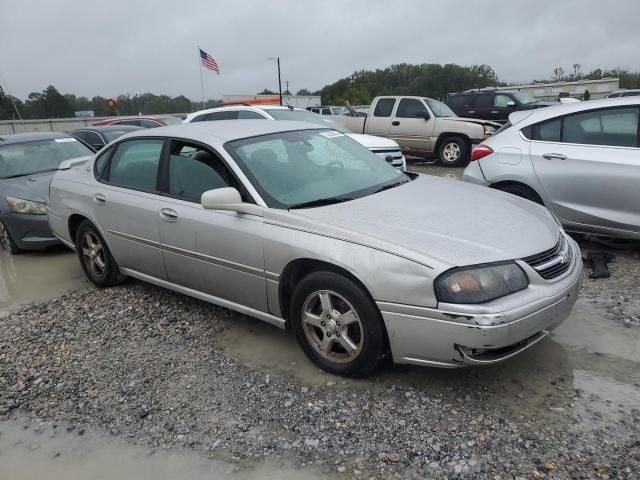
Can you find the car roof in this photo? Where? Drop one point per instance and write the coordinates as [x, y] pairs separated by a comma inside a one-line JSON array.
[[14, 138], [561, 109], [110, 128], [224, 130]]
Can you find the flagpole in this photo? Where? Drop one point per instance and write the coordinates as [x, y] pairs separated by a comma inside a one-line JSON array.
[[201, 82]]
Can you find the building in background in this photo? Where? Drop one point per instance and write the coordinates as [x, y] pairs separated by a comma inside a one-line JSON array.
[[552, 91], [298, 101]]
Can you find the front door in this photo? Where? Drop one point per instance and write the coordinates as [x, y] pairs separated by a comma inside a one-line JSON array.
[[589, 167], [125, 205], [411, 130], [214, 252]]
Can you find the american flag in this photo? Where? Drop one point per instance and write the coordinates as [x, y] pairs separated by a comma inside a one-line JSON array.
[[208, 61]]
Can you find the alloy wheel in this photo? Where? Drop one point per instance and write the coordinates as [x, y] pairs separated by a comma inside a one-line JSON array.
[[93, 254], [451, 152], [332, 326]]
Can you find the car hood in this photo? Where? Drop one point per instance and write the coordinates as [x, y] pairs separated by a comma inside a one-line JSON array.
[[477, 121], [442, 223], [30, 187], [373, 141]]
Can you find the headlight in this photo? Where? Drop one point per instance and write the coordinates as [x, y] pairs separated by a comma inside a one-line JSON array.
[[28, 207], [480, 284]]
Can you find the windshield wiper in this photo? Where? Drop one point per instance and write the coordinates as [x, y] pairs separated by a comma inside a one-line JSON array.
[[319, 202], [29, 173], [391, 185]]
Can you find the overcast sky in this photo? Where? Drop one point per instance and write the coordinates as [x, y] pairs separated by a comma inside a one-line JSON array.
[[118, 46]]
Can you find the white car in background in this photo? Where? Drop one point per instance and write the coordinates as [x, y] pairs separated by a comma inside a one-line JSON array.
[[385, 148]]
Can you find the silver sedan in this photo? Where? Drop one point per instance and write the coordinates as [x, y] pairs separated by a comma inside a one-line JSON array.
[[580, 160], [304, 228]]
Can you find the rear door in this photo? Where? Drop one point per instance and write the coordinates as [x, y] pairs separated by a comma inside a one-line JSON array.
[[409, 129], [125, 205], [589, 166], [481, 106], [379, 122]]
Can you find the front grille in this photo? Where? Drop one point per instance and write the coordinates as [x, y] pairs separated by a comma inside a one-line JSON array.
[[390, 156], [553, 262]]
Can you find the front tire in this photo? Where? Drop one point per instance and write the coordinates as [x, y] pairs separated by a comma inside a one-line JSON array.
[[96, 259], [453, 152], [337, 324], [7, 243]]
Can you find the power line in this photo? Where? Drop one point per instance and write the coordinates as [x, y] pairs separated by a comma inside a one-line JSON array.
[[15, 107]]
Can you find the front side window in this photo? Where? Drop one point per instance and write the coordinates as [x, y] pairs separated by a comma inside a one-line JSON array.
[[290, 169], [616, 127], [20, 159], [249, 115], [482, 101], [224, 115], [384, 107], [305, 116], [501, 101], [194, 170], [326, 111], [135, 123], [150, 123], [524, 98], [409, 108], [135, 164]]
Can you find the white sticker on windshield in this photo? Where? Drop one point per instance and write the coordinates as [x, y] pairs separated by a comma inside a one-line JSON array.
[[331, 134], [64, 140]]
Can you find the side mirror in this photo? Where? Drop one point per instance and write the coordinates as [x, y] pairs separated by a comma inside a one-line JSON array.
[[97, 146], [511, 104], [228, 198], [423, 114]]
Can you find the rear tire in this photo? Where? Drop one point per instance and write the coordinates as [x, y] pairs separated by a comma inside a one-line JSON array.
[[337, 324], [7, 243], [521, 191], [453, 152], [96, 259]]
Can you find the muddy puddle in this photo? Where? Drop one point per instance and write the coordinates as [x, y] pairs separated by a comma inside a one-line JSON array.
[[39, 451], [38, 276]]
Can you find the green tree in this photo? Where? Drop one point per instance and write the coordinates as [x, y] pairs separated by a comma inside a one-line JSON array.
[[303, 91], [266, 91]]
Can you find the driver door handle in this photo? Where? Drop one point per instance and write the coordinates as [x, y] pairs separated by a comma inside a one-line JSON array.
[[395, 123], [100, 198], [557, 156], [168, 215]]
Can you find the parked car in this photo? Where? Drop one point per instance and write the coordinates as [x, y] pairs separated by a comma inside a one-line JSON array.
[[327, 110], [98, 137], [152, 121], [27, 163], [422, 126], [385, 148], [492, 104], [624, 93], [580, 160], [300, 226]]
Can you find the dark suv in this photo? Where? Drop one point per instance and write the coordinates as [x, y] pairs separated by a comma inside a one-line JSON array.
[[493, 105]]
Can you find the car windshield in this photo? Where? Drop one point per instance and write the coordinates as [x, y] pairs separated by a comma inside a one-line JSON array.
[[19, 159], [311, 168], [439, 109], [524, 98], [306, 116]]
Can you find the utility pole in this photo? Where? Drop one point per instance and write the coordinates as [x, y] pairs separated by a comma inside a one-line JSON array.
[[277, 59], [286, 85]]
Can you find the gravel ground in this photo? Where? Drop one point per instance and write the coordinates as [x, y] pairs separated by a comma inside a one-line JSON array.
[[148, 366]]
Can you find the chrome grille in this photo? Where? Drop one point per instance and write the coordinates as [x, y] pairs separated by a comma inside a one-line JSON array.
[[553, 262], [390, 156]]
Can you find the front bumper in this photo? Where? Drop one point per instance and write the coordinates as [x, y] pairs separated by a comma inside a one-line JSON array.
[[30, 232], [454, 336]]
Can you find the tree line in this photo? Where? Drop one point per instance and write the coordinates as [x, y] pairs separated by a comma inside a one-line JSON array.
[[359, 88]]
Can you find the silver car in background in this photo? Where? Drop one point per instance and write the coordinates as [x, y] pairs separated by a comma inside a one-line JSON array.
[[581, 160], [304, 228]]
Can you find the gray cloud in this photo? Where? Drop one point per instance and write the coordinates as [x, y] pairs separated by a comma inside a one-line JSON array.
[[117, 46]]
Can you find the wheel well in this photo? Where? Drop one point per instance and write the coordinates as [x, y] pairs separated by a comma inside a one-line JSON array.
[[74, 222], [506, 183], [298, 269], [445, 135]]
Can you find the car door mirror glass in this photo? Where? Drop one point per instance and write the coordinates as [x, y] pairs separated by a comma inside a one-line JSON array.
[[423, 114], [218, 197], [511, 104]]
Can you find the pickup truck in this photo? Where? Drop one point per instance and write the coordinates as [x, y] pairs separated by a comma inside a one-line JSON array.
[[422, 126]]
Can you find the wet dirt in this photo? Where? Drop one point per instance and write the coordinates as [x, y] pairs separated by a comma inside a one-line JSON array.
[[38, 276], [39, 451]]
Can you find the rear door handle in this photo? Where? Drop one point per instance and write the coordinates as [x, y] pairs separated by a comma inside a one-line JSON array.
[[395, 123], [471, 111], [169, 215], [556, 156], [495, 111], [100, 198]]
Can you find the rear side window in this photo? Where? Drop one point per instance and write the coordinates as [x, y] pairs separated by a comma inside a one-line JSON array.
[[249, 115], [384, 107], [630, 94], [225, 115], [616, 127], [547, 131], [135, 123], [457, 102], [199, 118], [482, 101], [409, 108], [135, 164], [150, 124]]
